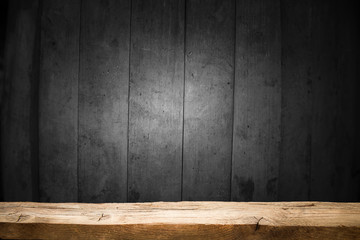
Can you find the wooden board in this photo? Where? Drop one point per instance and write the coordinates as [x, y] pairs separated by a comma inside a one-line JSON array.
[[103, 100], [324, 111], [3, 25], [335, 169], [58, 133], [181, 220], [58, 101], [257, 102], [208, 110], [297, 74], [156, 100], [348, 54], [19, 103]]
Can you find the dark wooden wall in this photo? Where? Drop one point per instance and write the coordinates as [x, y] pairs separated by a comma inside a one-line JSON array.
[[149, 100]]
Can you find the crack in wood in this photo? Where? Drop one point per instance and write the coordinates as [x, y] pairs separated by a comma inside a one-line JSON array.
[[19, 218], [102, 215], [258, 224], [306, 205]]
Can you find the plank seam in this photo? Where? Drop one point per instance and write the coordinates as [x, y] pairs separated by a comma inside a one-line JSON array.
[[183, 119], [35, 160], [78, 110], [128, 120], [282, 100], [281, 155], [310, 125], [233, 104]]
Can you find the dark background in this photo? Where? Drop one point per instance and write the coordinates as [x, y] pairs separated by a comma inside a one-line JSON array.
[[169, 100]]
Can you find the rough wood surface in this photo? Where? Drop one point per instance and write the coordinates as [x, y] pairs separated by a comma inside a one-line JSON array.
[[103, 100], [297, 78], [333, 111], [347, 166], [208, 110], [19, 147], [58, 101], [257, 103], [156, 100], [181, 220], [67, 137], [320, 60]]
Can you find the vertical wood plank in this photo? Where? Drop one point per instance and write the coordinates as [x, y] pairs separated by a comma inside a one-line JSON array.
[[325, 110], [334, 169], [297, 75], [210, 34], [19, 105], [257, 101], [103, 100], [355, 170], [347, 184], [156, 100], [3, 26], [58, 101]]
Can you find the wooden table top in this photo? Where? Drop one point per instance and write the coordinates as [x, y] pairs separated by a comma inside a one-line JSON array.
[[180, 220]]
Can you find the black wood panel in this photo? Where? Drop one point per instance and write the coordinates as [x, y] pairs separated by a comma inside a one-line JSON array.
[[334, 170], [156, 100], [209, 63], [103, 100], [298, 73], [257, 101], [347, 163], [58, 100], [19, 143], [134, 100]]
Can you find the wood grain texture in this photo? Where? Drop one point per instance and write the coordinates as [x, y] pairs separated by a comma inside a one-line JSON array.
[[58, 101], [19, 103], [297, 75], [156, 100], [181, 220], [324, 111], [3, 22], [103, 100], [144, 100], [208, 99], [257, 102], [334, 169], [348, 59]]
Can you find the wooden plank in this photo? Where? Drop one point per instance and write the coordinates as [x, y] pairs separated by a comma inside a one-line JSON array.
[[257, 102], [156, 100], [103, 96], [346, 173], [19, 103], [181, 220], [208, 99], [58, 101], [347, 168], [324, 112], [296, 111], [3, 25], [347, 184], [335, 169]]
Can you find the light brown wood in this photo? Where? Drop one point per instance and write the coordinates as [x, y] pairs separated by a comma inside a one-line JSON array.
[[180, 220]]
